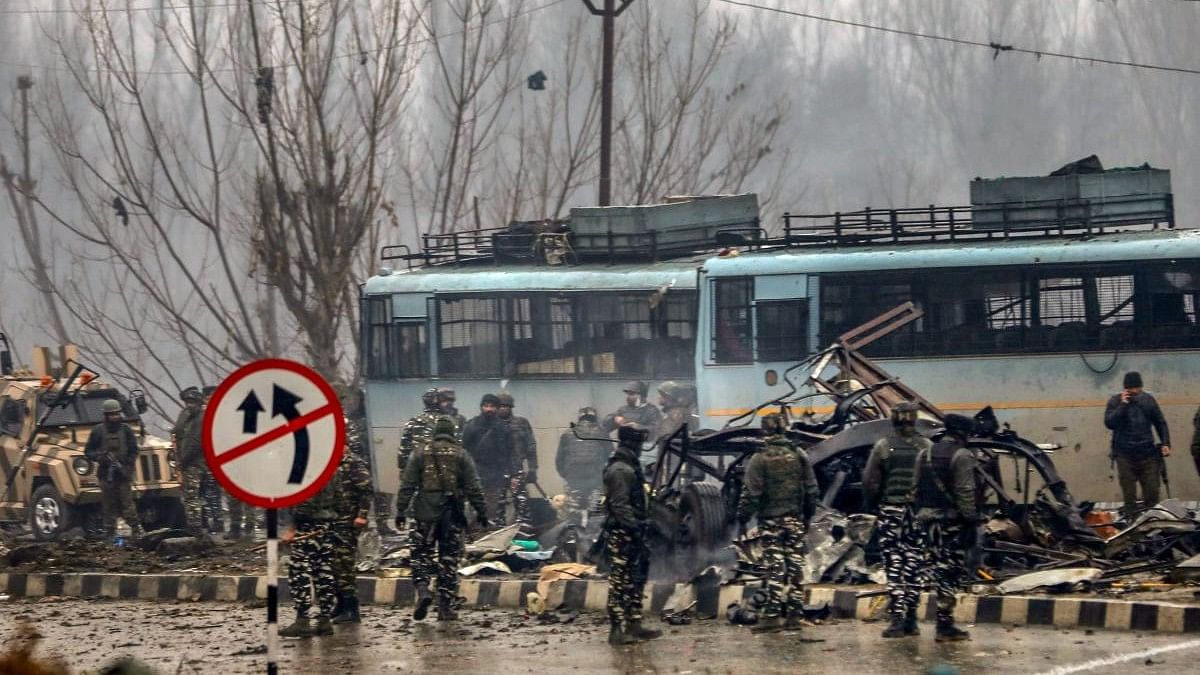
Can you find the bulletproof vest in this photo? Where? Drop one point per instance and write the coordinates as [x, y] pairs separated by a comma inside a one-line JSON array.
[[112, 442], [937, 476], [899, 469], [439, 472], [585, 456], [781, 473], [637, 490]]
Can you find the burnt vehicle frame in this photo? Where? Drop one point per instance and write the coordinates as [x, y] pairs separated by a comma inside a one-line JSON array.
[[697, 478]]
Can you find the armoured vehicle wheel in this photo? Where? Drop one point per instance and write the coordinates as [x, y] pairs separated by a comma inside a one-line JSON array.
[[49, 515]]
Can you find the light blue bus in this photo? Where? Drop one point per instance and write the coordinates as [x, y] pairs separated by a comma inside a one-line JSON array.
[[1041, 324], [556, 337]]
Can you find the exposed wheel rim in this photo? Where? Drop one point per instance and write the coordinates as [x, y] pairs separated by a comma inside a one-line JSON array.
[[47, 515]]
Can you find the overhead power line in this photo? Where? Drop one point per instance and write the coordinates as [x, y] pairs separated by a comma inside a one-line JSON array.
[[995, 47]]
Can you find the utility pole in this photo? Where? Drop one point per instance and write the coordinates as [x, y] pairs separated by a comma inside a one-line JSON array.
[[609, 13]]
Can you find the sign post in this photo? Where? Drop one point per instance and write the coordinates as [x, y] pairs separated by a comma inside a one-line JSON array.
[[273, 437]]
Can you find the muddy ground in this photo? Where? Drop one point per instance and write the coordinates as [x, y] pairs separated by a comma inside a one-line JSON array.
[[188, 638]]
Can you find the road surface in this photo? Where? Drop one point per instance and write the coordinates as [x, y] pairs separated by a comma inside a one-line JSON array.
[[227, 638]]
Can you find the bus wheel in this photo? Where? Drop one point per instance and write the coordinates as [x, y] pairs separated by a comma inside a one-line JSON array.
[[702, 515], [49, 515]]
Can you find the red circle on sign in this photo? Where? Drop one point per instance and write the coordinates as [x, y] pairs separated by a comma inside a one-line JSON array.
[[218, 469]]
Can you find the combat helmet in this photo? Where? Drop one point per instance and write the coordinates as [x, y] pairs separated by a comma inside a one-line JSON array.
[[445, 426], [904, 413]]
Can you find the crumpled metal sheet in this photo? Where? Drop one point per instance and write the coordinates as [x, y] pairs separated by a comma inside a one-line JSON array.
[[835, 547], [1067, 578]]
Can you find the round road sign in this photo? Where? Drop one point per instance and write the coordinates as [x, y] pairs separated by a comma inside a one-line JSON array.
[[273, 433]]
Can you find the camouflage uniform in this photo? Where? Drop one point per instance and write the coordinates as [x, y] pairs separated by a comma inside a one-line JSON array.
[[625, 539], [314, 552], [114, 448], [581, 462], [780, 488], [438, 478], [888, 482], [354, 500], [417, 433], [946, 503], [190, 455]]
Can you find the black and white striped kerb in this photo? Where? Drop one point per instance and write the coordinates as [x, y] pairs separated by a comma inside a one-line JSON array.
[[711, 599]]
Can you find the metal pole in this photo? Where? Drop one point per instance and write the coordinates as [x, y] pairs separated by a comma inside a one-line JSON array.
[[606, 93], [272, 592], [608, 16]]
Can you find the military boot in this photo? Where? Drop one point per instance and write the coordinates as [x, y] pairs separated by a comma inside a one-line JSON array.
[[948, 632], [896, 628], [424, 600], [300, 629], [639, 632], [446, 611], [770, 624], [349, 613], [795, 621], [618, 636], [910, 623], [323, 626]]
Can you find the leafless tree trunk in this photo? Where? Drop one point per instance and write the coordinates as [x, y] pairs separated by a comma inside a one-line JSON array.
[[248, 149]]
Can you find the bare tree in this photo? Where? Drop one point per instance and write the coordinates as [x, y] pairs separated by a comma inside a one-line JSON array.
[[221, 168], [21, 189]]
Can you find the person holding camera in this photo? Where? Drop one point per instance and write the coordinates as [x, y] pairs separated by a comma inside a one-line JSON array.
[[1134, 418]]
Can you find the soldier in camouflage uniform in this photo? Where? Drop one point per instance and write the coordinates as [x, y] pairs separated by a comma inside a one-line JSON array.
[[189, 454], [211, 491], [888, 483], [353, 508], [946, 503], [446, 399], [678, 404], [524, 462], [581, 462], [419, 430], [315, 548], [438, 479], [780, 489], [625, 539], [113, 446]]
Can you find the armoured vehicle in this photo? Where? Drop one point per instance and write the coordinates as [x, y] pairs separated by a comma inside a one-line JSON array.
[[45, 419]]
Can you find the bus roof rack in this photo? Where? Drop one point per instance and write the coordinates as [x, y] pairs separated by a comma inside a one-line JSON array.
[[1014, 220]]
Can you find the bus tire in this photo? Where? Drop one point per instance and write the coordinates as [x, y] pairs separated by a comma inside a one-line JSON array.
[[702, 516]]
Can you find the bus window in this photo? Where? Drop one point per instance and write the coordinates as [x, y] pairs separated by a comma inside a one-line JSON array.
[[395, 348], [781, 329], [542, 335], [469, 332], [732, 300], [620, 333]]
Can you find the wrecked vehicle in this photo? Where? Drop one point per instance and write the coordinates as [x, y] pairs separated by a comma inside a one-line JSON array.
[[45, 418], [697, 478]]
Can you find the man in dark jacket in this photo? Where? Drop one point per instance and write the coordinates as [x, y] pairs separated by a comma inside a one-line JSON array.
[[581, 462], [438, 479], [635, 411], [112, 445], [488, 441], [625, 539], [888, 482], [1134, 417], [523, 470], [780, 489], [946, 506]]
